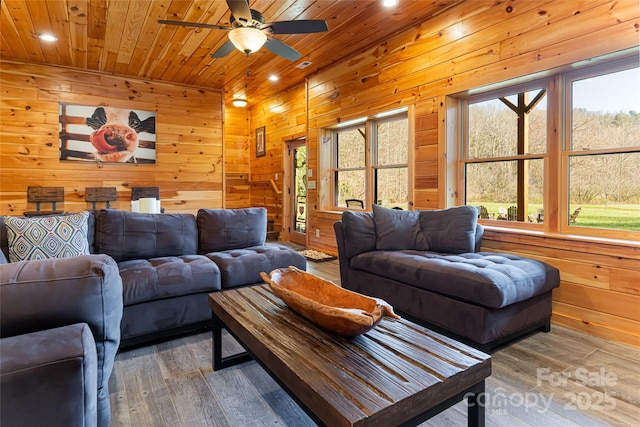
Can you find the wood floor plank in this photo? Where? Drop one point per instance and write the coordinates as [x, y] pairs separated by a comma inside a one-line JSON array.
[[283, 406], [150, 403], [239, 399], [194, 402]]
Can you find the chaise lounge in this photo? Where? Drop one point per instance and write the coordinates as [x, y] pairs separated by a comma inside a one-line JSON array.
[[428, 266]]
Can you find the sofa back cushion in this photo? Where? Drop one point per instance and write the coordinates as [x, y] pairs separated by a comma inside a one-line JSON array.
[[44, 237], [451, 230], [398, 230], [359, 232], [225, 229], [126, 235]]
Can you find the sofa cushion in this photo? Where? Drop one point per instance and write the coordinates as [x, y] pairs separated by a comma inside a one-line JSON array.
[[243, 266], [126, 235], [483, 278], [398, 229], [224, 229], [360, 231], [166, 277], [451, 230], [51, 236]]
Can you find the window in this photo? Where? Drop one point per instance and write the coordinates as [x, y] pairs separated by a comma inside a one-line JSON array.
[[350, 164], [603, 148], [369, 162], [506, 143], [587, 172]]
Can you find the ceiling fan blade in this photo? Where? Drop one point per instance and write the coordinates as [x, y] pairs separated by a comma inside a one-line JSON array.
[[303, 26], [240, 10], [279, 48], [193, 24], [223, 50]]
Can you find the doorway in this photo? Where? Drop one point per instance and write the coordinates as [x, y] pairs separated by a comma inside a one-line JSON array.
[[297, 191]]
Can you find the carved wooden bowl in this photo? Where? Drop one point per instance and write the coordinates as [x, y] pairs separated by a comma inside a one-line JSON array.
[[339, 310]]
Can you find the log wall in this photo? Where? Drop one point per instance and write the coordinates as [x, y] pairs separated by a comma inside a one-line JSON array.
[[471, 45], [189, 164]]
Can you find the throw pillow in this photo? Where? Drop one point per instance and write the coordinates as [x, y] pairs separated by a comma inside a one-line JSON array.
[[398, 230], [54, 236], [359, 232], [451, 230]]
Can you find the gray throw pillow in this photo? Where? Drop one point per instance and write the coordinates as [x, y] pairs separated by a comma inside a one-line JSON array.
[[398, 230], [451, 230], [359, 232]]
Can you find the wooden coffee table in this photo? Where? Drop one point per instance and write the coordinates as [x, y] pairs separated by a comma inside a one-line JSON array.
[[397, 373]]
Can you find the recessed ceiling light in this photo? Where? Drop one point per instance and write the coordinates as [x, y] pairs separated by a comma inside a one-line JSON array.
[[389, 3], [273, 78], [48, 37]]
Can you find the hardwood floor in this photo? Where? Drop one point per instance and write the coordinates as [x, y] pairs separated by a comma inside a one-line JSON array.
[[561, 378]]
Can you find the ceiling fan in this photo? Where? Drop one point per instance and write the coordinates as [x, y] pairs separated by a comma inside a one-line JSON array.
[[248, 31]]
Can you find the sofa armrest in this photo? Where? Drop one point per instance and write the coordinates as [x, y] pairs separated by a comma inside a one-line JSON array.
[[479, 234], [54, 371], [45, 294], [342, 250]]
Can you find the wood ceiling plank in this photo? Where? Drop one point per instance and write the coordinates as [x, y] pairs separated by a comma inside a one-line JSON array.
[[114, 33], [22, 30], [11, 45], [78, 32], [168, 56], [149, 33], [131, 33], [59, 23], [164, 35], [40, 18], [96, 33]]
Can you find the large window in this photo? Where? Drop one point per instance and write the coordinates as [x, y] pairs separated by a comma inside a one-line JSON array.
[[569, 145], [602, 148], [506, 134], [370, 163]]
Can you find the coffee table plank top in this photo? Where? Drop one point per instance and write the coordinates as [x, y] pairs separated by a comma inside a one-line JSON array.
[[382, 377]]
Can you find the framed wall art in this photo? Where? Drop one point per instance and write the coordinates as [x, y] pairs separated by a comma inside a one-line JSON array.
[[261, 144], [107, 134]]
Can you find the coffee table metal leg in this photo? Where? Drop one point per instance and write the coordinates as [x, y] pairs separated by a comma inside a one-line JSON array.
[[476, 403], [220, 362]]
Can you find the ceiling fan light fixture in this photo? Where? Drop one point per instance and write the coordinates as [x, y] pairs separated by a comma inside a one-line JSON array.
[[239, 102], [247, 39]]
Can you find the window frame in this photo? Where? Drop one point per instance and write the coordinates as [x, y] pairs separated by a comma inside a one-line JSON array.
[[464, 149], [371, 161], [559, 152], [567, 151]]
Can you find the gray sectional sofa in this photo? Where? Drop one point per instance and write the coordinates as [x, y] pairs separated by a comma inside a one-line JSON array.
[[62, 320], [427, 265], [169, 263]]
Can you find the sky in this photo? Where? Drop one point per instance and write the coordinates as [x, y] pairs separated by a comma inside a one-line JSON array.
[[610, 93]]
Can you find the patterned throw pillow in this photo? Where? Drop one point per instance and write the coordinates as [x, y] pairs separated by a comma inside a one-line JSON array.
[[55, 236]]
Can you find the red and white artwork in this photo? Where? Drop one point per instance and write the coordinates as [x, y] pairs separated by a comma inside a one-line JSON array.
[[107, 134]]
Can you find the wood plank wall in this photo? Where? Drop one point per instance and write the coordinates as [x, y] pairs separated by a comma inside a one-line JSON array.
[[284, 118], [471, 45], [236, 158], [189, 159]]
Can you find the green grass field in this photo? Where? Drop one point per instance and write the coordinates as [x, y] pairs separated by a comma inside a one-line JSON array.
[[617, 217]]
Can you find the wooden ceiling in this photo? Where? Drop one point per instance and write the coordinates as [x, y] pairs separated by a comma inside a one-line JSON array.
[[123, 37]]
